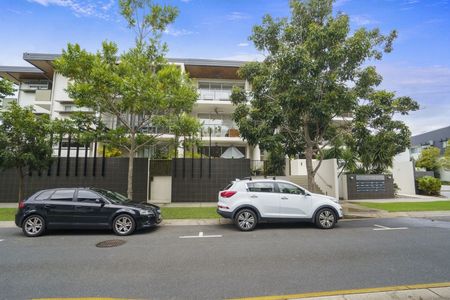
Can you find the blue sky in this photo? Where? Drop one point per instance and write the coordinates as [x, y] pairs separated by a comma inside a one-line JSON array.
[[418, 67]]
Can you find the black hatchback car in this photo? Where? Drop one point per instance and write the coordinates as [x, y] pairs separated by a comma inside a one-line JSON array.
[[84, 208]]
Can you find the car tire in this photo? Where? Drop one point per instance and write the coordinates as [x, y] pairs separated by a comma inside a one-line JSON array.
[[123, 224], [33, 226], [326, 218], [246, 219]]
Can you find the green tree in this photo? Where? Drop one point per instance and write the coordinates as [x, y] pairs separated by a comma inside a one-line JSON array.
[[139, 87], [445, 160], [316, 69], [376, 137], [429, 159], [24, 142], [6, 89]]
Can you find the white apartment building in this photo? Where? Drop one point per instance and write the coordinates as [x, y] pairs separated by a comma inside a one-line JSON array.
[[44, 89]]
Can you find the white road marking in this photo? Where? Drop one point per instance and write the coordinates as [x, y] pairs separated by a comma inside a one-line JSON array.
[[380, 227], [200, 235]]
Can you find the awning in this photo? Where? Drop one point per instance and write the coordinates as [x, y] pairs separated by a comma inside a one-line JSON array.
[[232, 152]]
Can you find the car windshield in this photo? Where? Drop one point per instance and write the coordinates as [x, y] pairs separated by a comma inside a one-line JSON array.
[[114, 197]]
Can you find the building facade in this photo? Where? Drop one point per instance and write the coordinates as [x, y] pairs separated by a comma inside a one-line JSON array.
[[44, 89], [437, 138]]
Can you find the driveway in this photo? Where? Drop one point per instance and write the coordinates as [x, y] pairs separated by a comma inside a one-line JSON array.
[[216, 262]]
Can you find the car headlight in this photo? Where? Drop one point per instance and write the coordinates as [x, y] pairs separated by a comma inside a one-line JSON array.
[[147, 213]]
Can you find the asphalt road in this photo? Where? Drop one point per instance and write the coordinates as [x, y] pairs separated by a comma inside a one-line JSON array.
[[274, 259]]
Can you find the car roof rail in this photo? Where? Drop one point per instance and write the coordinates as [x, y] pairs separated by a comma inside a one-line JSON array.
[[247, 178]]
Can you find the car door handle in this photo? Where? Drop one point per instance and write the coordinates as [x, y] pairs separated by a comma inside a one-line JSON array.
[[253, 196], [284, 198], [49, 206]]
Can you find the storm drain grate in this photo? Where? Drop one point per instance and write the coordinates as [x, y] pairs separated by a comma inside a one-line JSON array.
[[110, 243]]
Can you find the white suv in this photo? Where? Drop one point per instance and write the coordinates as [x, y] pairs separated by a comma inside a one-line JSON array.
[[249, 201]]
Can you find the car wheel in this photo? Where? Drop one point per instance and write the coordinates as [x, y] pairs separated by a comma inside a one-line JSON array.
[[124, 225], [246, 219], [33, 226], [326, 218]]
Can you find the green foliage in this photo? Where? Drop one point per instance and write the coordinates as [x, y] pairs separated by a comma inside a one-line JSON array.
[[445, 160], [375, 136], [276, 163], [6, 88], [138, 87], [24, 141], [315, 71], [429, 159], [429, 185]]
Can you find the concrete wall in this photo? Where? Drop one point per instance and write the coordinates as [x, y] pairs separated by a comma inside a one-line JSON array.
[[343, 192], [403, 173], [326, 177], [445, 175], [161, 189]]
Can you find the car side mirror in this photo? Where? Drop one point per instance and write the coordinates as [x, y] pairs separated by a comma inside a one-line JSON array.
[[307, 194], [100, 201]]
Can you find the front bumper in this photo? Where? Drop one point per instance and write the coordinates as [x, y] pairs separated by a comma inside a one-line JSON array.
[[149, 221]]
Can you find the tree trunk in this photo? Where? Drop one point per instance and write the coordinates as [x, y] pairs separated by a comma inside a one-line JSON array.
[[310, 169], [21, 183], [130, 167]]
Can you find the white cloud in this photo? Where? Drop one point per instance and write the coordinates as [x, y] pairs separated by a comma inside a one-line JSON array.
[[237, 16], [429, 85], [362, 20], [242, 44], [178, 32], [82, 8]]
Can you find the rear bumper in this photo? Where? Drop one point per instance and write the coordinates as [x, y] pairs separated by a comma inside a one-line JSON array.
[[225, 214]]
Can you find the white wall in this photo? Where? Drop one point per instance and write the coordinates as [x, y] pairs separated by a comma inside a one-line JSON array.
[[326, 177], [161, 189], [403, 173], [343, 193], [445, 175]]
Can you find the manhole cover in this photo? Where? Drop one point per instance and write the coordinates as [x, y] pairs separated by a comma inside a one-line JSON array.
[[110, 243]]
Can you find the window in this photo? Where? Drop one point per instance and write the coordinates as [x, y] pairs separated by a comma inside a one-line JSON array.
[[87, 196], [63, 195], [44, 195], [287, 188], [262, 187]]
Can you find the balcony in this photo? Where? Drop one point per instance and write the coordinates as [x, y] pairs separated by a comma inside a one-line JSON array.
[[214, 95], [43, 95], [220, 131]]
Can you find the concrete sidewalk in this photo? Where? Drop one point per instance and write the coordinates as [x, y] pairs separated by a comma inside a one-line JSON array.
[[410, 292]]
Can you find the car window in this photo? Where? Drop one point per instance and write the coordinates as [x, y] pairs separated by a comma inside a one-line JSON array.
[[44, 195], [63, 195], [262, 187], [87, 196], [287, 188]]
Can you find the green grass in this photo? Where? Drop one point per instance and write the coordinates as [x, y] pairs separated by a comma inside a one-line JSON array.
[[409, 206], [189, 213], [7, 214]]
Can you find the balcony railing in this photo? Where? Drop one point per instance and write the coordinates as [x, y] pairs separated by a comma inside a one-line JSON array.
[[220, 131], [214, 95], [43, 95]]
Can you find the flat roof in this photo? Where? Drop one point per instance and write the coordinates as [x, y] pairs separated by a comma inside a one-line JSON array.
[[197, 67], [188, 61], [16, 74]]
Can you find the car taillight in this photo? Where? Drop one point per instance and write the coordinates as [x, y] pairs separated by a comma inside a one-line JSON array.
[[227, 194], [22, 204]]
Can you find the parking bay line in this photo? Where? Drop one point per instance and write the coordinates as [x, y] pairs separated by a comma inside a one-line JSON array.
[[200, 235], [380, 228]]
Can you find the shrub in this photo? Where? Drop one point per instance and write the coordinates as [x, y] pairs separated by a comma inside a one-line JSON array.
[[429, 185]]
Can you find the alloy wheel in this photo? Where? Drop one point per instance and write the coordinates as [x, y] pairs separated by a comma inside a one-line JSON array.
[[123, 225], [33, 225], [246, 220], [326, 219]]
